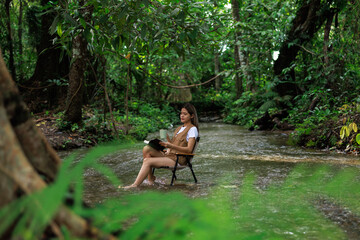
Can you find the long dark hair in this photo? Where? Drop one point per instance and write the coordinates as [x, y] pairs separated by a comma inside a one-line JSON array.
[[192, 110]]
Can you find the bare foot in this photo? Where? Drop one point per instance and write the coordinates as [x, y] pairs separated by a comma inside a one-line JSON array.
[[152, 180], [128, 187]]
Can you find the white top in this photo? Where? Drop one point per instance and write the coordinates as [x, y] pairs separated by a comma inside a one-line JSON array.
[[192, 133]]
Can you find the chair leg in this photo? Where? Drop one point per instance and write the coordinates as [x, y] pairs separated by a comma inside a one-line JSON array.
[[172, 179], [153, 171], [192, 171], [174, 171]]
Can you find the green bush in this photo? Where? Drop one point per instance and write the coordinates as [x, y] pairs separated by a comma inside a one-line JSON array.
[[145, 118]]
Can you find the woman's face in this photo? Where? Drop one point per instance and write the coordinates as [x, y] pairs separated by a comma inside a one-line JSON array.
[[185, 116]]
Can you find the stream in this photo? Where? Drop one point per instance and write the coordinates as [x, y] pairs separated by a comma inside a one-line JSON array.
[[226, 153]]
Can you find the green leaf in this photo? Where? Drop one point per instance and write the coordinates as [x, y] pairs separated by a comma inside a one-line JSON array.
[[54, 24], [348, 130], [143, 32], [353, 126], [176, 10], [83, 22], [358, 138], [342, 132], [70, 19], [58, 29]]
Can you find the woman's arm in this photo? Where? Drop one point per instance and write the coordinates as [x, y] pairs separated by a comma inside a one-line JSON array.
[[187, 149]]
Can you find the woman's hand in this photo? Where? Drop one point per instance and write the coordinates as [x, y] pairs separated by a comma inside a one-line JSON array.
[[166, 144], [168, 137]]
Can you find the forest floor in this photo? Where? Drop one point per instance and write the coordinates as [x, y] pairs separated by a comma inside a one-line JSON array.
[[63, 140]]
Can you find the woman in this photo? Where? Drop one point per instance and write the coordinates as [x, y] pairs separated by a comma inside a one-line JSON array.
[[183, 141]]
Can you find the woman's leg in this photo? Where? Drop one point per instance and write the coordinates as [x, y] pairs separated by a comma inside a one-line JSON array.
[[147, 167], [149, 152]]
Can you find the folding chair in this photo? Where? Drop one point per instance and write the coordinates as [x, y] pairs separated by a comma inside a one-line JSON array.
[[188, 157]]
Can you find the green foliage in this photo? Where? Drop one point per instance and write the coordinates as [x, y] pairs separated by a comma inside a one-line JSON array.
[[251, 106], [311, 124], [58, 82], [145, 118], [358, 138], [287, 210]]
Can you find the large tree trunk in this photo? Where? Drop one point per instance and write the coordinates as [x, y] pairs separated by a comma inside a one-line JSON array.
[[39, 152], [309, 18], [49, 65], [17, 128], [27, 161]]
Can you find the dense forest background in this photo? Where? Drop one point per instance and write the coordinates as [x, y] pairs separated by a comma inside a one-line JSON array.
[[114, 68]]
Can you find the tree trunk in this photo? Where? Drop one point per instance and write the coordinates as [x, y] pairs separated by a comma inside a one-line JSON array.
[[141, 78], [74, 99], [217, 70], [10, 39], [240, 56], [327, 38], [27, 161], [49, 65], [309, 18], [17, 128], [126, 100], [237, 52], [20, 30]]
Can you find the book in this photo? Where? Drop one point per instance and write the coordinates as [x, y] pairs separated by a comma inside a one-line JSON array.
[[155, 143]]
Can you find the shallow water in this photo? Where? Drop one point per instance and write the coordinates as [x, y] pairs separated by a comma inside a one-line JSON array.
[[224, 152]]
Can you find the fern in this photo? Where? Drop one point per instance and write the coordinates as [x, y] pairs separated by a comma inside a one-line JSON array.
[[267, 105]]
